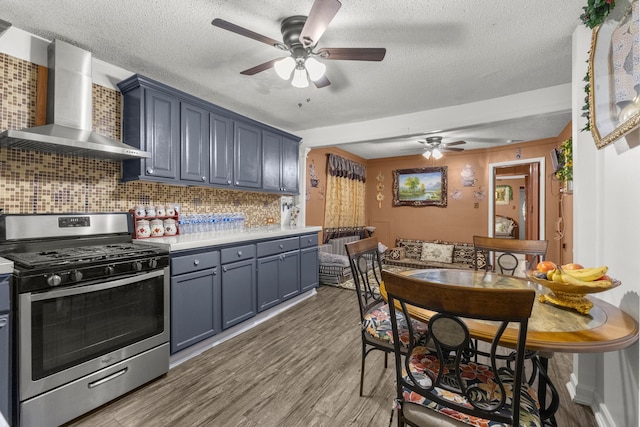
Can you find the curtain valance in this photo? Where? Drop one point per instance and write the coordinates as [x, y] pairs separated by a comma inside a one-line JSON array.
[[341, 167]]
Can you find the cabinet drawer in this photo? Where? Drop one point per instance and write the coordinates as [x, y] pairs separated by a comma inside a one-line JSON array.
[[278, 246], [308, 241], [195, 262], [237, 253]]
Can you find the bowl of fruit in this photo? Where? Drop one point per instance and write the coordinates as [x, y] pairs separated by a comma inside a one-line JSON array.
[[570, 283]]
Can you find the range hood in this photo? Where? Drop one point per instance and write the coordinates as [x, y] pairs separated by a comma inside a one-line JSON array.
[[69, 104]]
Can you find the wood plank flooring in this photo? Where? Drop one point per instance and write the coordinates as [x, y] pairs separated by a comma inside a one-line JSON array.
[[301, 368]]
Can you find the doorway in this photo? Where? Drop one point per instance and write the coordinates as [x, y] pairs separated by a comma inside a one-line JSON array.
[[533, 173]]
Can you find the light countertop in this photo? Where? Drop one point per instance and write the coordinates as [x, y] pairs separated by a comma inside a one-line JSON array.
[[216, 238], [6, 266]]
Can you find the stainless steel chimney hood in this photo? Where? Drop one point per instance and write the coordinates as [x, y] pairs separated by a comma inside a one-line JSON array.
[[69, 104]]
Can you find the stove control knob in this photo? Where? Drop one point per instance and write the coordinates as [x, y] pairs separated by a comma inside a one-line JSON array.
[[153, 263], [137, 266], [76, 275], [109, 270], [54, 280]]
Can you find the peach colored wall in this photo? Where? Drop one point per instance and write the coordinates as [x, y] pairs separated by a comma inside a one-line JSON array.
[[462, 218]]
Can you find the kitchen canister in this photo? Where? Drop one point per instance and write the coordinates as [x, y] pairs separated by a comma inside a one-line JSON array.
[[143, 229], [150, 210], [157, 228], [169, 210], [160, 211], [140, 212], [170, 228]]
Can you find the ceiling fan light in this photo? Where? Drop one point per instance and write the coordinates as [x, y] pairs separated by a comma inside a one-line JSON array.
[[284, 67], [437, 154], [427, 154], [300, 78], [315, 68]]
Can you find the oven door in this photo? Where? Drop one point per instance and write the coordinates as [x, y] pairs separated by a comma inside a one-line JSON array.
[[71, 332]]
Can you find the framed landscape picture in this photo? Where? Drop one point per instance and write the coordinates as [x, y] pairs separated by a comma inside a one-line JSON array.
[[420, 187]]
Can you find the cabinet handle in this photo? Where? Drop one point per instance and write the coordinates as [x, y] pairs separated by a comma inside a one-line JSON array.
[[196, 262], [237, 182], [229, 181], [4, 320], [224, 269], [239, 253], [280, 246], [149, 170], [215, 271], [203, 179]]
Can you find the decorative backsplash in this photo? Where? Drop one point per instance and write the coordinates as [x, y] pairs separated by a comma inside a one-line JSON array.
[[33, 182]]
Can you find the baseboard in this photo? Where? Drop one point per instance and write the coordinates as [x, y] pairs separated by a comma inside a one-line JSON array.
[[186, 354], [580, 394], [602, 415]]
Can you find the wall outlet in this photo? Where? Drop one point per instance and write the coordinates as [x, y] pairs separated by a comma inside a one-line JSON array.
[[271, 220]]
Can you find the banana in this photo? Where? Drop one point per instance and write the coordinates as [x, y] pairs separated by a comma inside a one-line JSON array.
[[587, 274], [567, 278], [555, 275]]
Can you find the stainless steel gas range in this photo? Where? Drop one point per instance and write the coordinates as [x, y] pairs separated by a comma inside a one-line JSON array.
[[92, 312]]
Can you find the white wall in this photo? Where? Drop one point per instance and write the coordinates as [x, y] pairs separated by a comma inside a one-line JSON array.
[[606, 232]]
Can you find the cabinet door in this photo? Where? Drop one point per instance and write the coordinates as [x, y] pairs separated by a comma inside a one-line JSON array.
[[268, 294], [289, 280], [162, 121], [308, 268], [221, 150], [247, 156], [194, 143], [271, 161], [195, 308], [238, 292], [290, 173]]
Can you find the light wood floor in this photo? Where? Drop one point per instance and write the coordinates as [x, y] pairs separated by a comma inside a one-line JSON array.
[[301, 368]]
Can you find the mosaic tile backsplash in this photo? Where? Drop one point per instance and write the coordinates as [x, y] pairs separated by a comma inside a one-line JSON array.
[[33, 182]]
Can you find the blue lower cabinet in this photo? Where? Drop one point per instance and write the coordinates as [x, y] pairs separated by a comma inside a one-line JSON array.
[[278, 279], [238, 292], [5, 349], [309, 268]]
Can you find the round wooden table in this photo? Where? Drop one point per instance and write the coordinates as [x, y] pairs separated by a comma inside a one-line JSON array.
[[551, 328]]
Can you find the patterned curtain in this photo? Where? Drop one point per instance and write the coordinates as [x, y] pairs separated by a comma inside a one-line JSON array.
[[345, 193]]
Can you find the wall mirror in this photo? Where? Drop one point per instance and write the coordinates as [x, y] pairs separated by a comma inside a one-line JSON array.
[[614, 74]]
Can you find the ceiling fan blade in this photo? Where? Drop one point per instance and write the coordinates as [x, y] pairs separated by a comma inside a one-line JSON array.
[[221, 23], [259, 68], [443, 148], [354, 54], [321, 14], [449, 144], [322, 82]]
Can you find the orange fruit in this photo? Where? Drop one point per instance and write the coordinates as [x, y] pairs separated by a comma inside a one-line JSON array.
[[545, 266], [572, 266]]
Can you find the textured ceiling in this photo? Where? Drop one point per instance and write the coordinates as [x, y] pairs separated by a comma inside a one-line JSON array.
[[439, 54]]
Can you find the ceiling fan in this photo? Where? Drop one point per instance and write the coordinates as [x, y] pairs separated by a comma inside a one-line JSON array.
[[434, 146], [300, 35]]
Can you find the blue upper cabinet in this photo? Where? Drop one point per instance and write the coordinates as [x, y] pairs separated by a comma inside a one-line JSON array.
[[194, 142], [247, 154], [279, 163], [221, 150]]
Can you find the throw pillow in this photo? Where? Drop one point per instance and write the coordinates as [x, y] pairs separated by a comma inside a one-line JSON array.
[[327, 258], [436, 252]]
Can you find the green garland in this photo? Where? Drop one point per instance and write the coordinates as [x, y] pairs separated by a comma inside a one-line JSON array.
[[565, 171], [594, 14], [596, 11]]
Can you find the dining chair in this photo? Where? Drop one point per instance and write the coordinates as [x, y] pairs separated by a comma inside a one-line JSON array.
[[445, 387], [503, 253], [375, 323]]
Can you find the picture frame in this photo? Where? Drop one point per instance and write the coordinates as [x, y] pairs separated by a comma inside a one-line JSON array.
[[504, 194], [614, 81], [420, 187]]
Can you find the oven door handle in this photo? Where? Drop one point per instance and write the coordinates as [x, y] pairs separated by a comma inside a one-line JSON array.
[[76, 290]]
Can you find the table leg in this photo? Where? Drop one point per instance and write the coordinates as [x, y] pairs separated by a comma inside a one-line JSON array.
[[547, 413]]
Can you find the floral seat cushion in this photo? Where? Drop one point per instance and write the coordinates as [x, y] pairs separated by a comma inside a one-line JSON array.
[[377, 323], [422, 360]]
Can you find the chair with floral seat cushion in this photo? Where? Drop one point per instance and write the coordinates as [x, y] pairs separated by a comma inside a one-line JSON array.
[[375, 320], [446, 386]]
